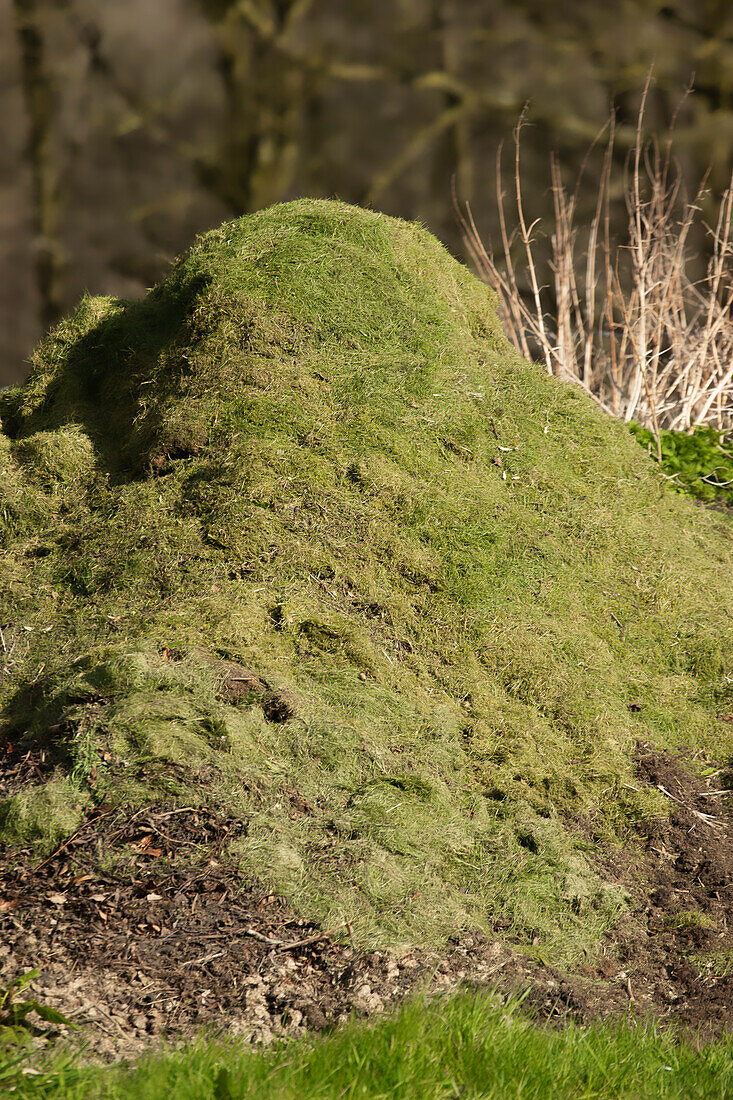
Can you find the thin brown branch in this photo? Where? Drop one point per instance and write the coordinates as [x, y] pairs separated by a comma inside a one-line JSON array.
[[631, 325]]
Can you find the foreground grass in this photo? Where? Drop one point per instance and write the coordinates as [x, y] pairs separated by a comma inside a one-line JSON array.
[[467, 1047]]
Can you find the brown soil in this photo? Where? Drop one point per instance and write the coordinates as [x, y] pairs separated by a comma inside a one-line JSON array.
[[685, 917], [141, 930]]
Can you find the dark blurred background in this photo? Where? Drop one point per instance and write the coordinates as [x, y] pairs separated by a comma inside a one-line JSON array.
[[130, 125]]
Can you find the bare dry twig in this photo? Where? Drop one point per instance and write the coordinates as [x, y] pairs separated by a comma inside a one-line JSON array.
[[623, 318]]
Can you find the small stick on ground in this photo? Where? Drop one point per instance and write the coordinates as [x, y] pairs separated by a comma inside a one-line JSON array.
[[203, 959], [284, 945], [314, 939]]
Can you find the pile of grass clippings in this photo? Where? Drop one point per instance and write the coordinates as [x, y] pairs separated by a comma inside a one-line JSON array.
[[301, 537]]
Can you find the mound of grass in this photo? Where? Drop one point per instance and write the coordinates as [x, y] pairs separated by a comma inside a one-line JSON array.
[[301, 536], [466, 1046]]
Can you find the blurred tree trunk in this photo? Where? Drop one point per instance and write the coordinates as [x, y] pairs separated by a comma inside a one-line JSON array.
[[42, 155], [452, 154], [265, 90]]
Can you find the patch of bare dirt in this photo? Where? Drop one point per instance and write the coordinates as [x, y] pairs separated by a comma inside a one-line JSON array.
[[23, 766], [142, 930], [684, 913]]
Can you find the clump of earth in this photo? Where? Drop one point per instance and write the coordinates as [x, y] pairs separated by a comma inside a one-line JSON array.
[[345, 654]]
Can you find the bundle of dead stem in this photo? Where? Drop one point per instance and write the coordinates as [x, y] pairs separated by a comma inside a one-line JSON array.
[[625, 319]]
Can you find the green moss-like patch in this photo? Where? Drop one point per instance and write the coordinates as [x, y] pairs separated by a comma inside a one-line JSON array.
[[300, 535], [46, 813], [698, 462]]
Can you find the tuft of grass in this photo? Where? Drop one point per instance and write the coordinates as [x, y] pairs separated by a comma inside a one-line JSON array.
[[44, 814], [715, 964], [468, 1046], [310, 452]]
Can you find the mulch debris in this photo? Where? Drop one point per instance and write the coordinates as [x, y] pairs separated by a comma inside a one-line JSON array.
[[142, 930], [685, 925]]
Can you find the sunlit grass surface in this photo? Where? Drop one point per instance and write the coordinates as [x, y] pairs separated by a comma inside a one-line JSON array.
[[311, 451], [464, 1047]]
